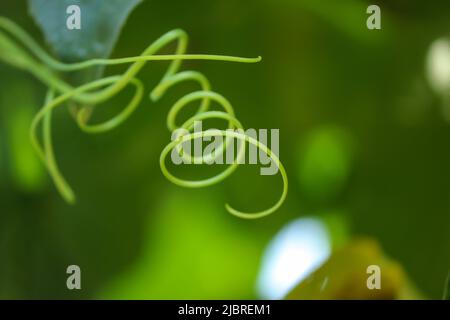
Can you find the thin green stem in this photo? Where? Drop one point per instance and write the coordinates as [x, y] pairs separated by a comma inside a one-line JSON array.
[[61, 184]]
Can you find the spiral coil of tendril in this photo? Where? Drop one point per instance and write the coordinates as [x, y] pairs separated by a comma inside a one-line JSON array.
[[45, 68]]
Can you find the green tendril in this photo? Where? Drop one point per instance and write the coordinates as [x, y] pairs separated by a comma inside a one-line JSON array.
[[20, 50]]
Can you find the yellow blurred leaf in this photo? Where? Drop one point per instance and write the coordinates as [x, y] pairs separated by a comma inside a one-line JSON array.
[[345, 276]]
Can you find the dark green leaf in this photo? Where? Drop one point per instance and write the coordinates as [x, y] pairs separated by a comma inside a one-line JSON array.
[[101, 22]]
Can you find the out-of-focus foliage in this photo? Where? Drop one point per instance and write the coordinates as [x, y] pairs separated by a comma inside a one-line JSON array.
[[190, 252], [325, 163], [25, 169]]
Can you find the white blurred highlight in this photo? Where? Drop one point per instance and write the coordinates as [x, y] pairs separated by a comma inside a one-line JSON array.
[[297, 250], [438, 65]]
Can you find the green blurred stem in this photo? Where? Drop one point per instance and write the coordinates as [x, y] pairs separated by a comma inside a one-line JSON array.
[[447, 288]]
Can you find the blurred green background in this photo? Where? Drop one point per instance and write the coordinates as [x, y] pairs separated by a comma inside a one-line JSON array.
[[363, 138]]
